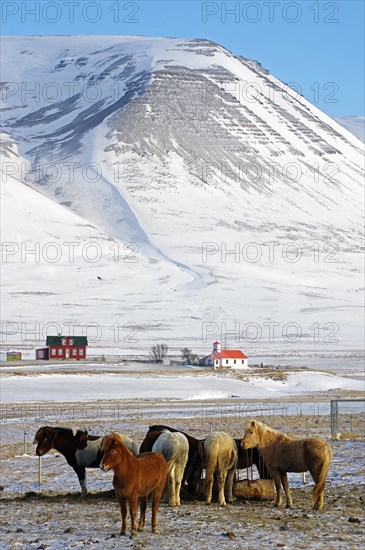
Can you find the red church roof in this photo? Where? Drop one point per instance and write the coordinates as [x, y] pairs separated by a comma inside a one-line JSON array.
[[229, 354], [232, 354]]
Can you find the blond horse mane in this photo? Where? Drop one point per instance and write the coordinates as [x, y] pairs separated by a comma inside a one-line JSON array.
[[262, 428]]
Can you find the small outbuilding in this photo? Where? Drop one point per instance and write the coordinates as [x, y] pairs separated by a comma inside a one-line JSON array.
[[13, 355], [10, 355], [219, 357]]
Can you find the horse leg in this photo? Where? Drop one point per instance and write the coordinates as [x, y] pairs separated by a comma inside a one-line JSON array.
[[165, 497], [172, 486], [319, 478], [285, 484], [156, 497], [209, 488], [81, 474], [229, 484], [277, 480], [179, 475], [133, 507], [123, 510], [222, 475], [142, 519]]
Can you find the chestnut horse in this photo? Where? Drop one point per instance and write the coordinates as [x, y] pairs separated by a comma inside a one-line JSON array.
[[135, 478], [80, 449], [283, 454]]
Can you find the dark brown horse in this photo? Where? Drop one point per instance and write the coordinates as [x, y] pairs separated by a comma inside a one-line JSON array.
[[135, 478], [80, 449], [249, 457]]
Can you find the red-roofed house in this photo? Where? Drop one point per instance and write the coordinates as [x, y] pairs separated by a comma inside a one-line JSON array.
[[233, 358]]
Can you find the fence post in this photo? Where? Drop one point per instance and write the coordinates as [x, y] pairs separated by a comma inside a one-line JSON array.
[[24, 442], [334, 418], [40, 470]]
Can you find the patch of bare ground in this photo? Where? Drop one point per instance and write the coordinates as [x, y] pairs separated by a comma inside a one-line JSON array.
[[67, 521]]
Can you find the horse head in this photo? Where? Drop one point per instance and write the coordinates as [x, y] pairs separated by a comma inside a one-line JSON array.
[[251, 437], [44, 439], [110, 449]]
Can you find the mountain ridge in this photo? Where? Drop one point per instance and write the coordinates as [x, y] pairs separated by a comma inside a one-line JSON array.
[[189, 144]]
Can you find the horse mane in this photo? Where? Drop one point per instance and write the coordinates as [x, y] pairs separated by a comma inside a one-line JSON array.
[[118, 440], [61, 429], [265, 428]]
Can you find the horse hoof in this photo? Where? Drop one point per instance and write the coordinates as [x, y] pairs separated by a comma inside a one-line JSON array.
[[155, 531], [123, 533], [133, 535], [140, 529]]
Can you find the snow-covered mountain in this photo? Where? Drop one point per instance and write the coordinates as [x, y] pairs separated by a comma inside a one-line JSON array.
[[158, 158], [354, 124]]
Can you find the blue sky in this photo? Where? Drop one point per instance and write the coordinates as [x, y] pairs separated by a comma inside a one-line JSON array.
[[316, 45]]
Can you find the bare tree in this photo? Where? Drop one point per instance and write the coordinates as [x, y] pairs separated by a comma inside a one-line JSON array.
[[189, 356], [158, 352]]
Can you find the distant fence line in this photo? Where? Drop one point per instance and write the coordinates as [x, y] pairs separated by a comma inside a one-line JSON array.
[[340, 407], [114, 410]]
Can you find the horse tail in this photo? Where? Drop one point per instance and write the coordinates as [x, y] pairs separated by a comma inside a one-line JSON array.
[[212, 455], [171, 465], [234, 457], [321, 482]]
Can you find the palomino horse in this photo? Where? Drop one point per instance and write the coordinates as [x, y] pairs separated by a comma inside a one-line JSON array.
[[283, 454], [79, 449], [174, 447], [194, 465], [135, 478], [220, 453]]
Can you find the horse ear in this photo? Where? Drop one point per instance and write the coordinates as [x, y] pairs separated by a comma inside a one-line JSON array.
[[253, 424]]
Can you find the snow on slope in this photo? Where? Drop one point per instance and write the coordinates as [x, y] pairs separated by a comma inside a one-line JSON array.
[[354, 124], [61, 388], [175, 143]]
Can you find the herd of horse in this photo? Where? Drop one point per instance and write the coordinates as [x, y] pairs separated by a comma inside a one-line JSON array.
[[168, 459]]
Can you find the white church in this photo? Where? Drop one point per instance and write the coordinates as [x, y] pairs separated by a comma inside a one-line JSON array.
[[219, 357]]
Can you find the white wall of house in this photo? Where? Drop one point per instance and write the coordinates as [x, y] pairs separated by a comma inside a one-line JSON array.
[[241, 364], [229, 363], [234, 363]]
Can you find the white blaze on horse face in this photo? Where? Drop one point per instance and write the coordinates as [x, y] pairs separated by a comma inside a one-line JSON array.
[[74, 432], [85, 457]]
